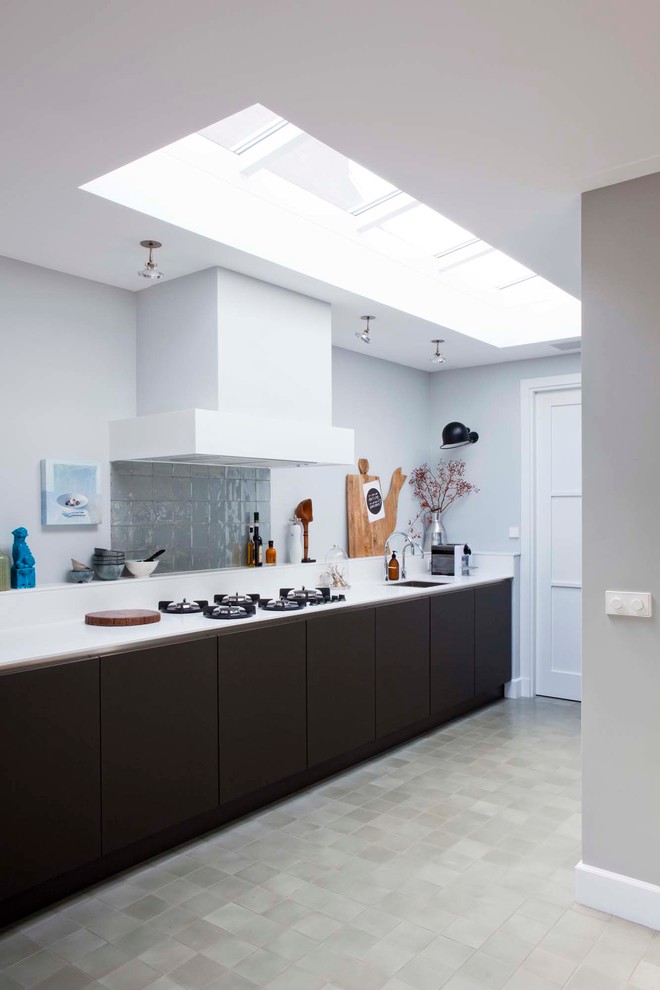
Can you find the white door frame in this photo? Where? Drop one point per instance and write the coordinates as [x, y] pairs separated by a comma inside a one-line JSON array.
[[529, 389]]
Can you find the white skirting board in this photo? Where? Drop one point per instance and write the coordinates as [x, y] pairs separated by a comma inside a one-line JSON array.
[[519, 687], [615, 893]]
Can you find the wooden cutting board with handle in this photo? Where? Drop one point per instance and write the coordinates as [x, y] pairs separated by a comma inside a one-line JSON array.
[[367, 539], [122, 617]]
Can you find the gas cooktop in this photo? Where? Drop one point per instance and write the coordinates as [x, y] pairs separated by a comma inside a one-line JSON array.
[[238, 606]]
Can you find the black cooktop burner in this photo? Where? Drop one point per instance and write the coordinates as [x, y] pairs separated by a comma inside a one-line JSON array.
[[311, 596], [183, 607], [248, 602], [227, 612], [282, 604]]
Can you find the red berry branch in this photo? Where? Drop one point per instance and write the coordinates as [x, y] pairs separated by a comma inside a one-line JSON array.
[[437, 491]]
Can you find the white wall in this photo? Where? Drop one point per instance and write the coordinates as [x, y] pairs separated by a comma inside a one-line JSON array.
[[621, 541], [274, 351], [388, 407], [487, 399], [177, 344], [67, 366]]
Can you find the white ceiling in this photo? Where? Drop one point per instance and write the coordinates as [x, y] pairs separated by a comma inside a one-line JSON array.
[[497, 115]]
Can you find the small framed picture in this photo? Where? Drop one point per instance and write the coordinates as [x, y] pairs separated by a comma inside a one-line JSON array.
[[70, 493]]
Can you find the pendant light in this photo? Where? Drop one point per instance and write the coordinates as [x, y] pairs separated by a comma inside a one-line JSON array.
[[151, 270], [437, 358], [363, 335]]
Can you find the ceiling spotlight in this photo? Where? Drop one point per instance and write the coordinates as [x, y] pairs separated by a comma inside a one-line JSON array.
[[437, 358], [151, 270], [363, 335]]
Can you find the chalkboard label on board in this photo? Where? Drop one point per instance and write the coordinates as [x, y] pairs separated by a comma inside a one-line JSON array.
[[373, 500]]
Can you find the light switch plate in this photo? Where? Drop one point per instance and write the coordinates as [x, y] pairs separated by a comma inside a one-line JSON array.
[[514, 532], [635, 604]]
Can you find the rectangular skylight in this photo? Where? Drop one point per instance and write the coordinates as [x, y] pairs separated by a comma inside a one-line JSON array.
[[257, 183]]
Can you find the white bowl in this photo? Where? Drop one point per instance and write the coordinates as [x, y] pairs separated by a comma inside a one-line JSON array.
[[141, 568]]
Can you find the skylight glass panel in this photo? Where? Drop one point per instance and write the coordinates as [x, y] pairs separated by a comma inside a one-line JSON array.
[[530, 290], [491, 270], [427, 230], [454, 257], [244, 128], [316, 168]]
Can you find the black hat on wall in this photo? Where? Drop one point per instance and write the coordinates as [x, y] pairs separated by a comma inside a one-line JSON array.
[[457, 435]]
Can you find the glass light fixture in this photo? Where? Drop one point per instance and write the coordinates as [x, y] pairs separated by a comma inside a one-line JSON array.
[[151, 270], [363, 335], [438, 357]]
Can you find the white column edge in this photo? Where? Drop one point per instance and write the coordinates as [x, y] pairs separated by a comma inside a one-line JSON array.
[[614, 893]]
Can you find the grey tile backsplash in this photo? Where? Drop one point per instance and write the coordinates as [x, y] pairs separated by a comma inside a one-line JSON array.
[[198, 512]]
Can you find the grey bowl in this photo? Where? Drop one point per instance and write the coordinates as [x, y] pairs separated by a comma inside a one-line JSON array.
[[108, 572], [81, 577]]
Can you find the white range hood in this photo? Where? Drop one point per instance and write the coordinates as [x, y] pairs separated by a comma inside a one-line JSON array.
[[231, 370]]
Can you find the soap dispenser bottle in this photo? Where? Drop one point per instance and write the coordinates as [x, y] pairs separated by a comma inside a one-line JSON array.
[[393, 568]]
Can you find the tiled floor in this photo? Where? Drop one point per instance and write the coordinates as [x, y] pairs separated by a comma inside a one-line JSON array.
[[446, 863]]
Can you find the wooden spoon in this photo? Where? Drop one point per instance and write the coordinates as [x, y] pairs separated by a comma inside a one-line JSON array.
[[306, 516]]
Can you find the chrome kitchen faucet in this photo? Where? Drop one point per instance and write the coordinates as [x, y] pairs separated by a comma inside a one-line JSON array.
[[407, 543]]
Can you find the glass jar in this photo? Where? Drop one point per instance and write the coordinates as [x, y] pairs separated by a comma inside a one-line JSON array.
[[336, 561]]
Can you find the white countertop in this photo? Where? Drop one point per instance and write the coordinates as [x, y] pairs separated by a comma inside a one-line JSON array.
[[55, 641]]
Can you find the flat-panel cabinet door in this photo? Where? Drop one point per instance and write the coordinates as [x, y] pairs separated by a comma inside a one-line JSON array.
[[341, 688], [402, 665], [159, 739], [492, 636], [50, 780], [452, 649], [263, 720]]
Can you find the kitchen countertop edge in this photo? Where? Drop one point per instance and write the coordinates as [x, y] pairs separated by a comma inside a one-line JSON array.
[[228, 628]]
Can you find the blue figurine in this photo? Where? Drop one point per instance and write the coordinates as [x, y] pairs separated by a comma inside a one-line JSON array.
[[22, 571]]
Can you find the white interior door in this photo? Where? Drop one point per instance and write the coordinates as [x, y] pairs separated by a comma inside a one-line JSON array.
[[558, 543]]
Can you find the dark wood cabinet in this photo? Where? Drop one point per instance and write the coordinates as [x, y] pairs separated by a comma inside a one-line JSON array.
[[262, 689], [49, 773], [492, 636], [402, 665], [341, 700], [159, 739], [452, 649]]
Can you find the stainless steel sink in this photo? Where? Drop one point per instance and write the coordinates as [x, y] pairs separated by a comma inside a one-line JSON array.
[[417, 584]]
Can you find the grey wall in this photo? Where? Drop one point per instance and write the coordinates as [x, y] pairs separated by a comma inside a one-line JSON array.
[[487, 399], [199, 513], [67, 360], [621, 541], [388, 406]]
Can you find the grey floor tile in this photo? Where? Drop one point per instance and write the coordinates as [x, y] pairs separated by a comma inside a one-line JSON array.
[[35, 968]]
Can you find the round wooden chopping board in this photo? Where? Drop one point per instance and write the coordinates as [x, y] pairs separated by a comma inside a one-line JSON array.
[[122, 617]]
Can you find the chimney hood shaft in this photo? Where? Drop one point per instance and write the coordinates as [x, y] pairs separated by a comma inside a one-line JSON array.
[[232, 370]]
